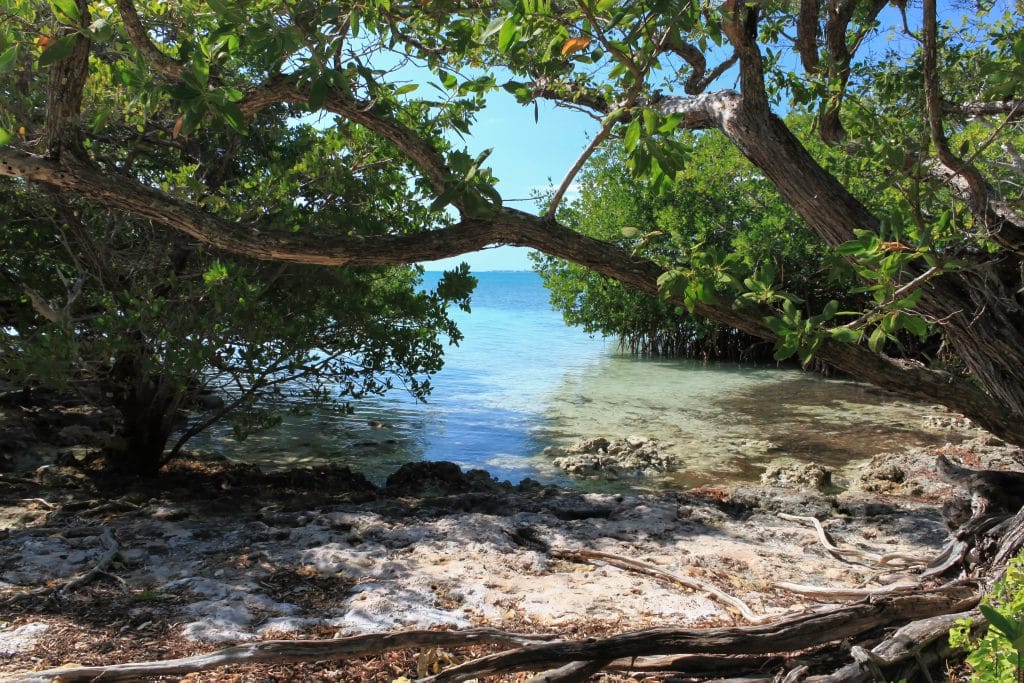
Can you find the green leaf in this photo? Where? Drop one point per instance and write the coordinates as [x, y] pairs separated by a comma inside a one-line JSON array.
[[317, 94], [1008, 629], [448, 80], [406, 89], [650, 120], [632, 135], [850, 248], [492, 28], [66, 11], [877, 339], [629, 231], [5, 136], [58, 50], [777, 325], [785, 349], [507, 35], [233, 115], [444, 199], [914, 325], [845, 335], [9, 58]]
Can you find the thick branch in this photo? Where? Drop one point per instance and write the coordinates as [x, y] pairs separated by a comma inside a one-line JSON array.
[[807, 35], [998, 218], [1014, 109], [818, 627], [158, 61], [695, 58], [285, 89], [840, 57], [279, 651], [506, 226], [64, 97], [739, 23]]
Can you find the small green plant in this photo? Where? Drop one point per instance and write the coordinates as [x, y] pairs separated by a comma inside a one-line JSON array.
[[998, 655]]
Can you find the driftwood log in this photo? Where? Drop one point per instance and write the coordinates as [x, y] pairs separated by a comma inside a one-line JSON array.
[[899, 632]]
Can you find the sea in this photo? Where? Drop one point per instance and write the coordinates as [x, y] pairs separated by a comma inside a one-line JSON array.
[[522, 383]]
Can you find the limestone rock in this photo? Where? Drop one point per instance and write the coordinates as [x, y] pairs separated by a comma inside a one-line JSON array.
[[800, 476], [633, 456]]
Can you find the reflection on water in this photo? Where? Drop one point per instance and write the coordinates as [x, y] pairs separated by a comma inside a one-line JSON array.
[[522, 381]]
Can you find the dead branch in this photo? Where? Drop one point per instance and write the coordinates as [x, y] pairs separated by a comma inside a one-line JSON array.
[[575, 672], [842, 553], [279, 651], [907, 648], [826, 594], [644, 568], [794, 633]]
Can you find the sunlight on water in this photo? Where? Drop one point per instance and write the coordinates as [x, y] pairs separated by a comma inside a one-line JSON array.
[[522, 381]]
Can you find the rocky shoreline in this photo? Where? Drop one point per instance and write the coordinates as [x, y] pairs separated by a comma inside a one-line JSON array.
[[95, 570]]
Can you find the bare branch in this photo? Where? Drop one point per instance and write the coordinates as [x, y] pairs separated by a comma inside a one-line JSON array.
[[281, 651], [695, 58], [556, 199], [711, 76], [817, 627], [1013, 109], [739, 23]]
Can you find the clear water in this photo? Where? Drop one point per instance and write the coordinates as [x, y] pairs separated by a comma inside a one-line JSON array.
[[521, 381]]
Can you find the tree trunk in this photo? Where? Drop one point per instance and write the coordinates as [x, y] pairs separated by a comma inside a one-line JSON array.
[[148, 406], [981, 317]]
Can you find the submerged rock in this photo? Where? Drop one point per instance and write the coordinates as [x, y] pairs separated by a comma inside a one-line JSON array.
[[633, 456]]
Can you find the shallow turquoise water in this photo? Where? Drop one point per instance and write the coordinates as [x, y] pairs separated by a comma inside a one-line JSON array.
[[521, 381]]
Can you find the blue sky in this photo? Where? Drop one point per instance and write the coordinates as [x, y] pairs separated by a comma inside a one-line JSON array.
[[528, 157]]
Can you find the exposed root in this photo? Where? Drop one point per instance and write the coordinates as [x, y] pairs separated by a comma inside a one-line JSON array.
[[786, 635], [112, 548]]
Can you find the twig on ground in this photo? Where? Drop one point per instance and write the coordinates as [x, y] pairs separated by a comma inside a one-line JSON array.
[[825, 594], [645, 568]]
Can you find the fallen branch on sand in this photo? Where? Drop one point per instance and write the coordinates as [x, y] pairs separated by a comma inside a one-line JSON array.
[[650, 570], [280, 651], [826, 594], [844, 554], [786, 635]]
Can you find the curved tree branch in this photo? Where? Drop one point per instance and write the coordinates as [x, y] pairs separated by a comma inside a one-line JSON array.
[[1000, 221], [166, 66], [505, 227], [807, 36]]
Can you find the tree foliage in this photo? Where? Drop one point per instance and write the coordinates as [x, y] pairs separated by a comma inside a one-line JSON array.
[[718, 207], [913, 182], [129, 315]]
